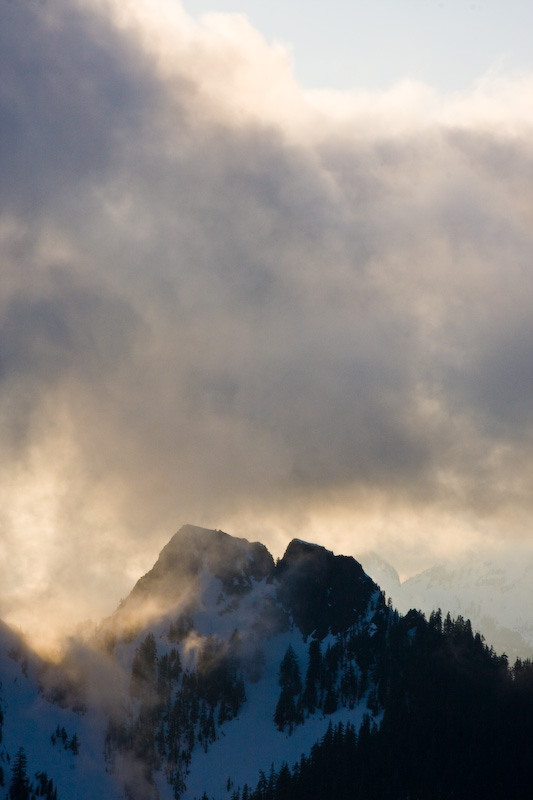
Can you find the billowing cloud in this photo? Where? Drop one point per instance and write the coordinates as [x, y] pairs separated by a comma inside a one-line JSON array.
[[230, 303]]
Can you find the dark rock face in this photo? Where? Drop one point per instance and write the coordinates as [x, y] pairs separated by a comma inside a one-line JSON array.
[[323, 592], [236, 562]]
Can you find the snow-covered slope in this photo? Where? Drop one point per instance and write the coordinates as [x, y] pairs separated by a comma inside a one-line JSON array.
[[221, 664], [216, 598], [218, 664], [64, 743]]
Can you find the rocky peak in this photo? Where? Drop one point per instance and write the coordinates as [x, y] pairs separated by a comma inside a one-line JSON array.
[[175, 578], [324, 592]]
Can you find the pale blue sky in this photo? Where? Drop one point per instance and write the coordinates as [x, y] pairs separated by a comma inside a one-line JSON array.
[[448, 44]]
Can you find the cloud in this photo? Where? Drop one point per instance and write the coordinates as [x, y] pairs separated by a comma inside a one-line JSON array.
[[228, 302]]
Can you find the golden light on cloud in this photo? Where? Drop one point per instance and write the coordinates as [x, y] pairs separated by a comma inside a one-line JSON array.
[[229, 302]]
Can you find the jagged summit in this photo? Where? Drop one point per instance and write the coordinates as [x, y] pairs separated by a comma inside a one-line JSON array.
[[298, 547], [203, 572], [324, 592], [191, 560], [235, 561]]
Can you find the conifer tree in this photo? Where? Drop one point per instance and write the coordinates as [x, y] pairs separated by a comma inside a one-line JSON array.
[[330, 702], [143, 670], [310, 695], [289, 673], [20, 788], [286, 712], [75, 744]]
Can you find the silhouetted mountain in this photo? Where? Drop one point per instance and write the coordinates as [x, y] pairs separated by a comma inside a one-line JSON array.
[[323, 592], [223, 675]]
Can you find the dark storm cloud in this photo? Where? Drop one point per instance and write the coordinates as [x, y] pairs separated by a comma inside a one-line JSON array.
[[69, 90], [217, 300]]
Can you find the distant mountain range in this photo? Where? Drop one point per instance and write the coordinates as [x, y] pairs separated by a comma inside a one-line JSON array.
[[497, 596], [226, 676]]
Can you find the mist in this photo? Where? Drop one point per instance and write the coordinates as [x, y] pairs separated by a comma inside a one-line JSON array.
[[231, 303]]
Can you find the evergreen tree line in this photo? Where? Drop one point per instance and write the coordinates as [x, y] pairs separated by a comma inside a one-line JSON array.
[[176, 710], [457, 724], [339, 678], [21, 788], [69, 743]]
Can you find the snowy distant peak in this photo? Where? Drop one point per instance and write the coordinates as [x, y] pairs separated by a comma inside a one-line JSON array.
[[380, 571], [438, 575], [324, 592], [495, 593]]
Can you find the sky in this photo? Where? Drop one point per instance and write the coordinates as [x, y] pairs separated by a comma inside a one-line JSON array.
[[449, 44], [238, 294]]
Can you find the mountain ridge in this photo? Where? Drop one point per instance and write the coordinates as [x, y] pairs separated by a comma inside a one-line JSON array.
[[222, 665]]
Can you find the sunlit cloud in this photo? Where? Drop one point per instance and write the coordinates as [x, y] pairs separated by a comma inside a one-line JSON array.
[[229, 302]]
